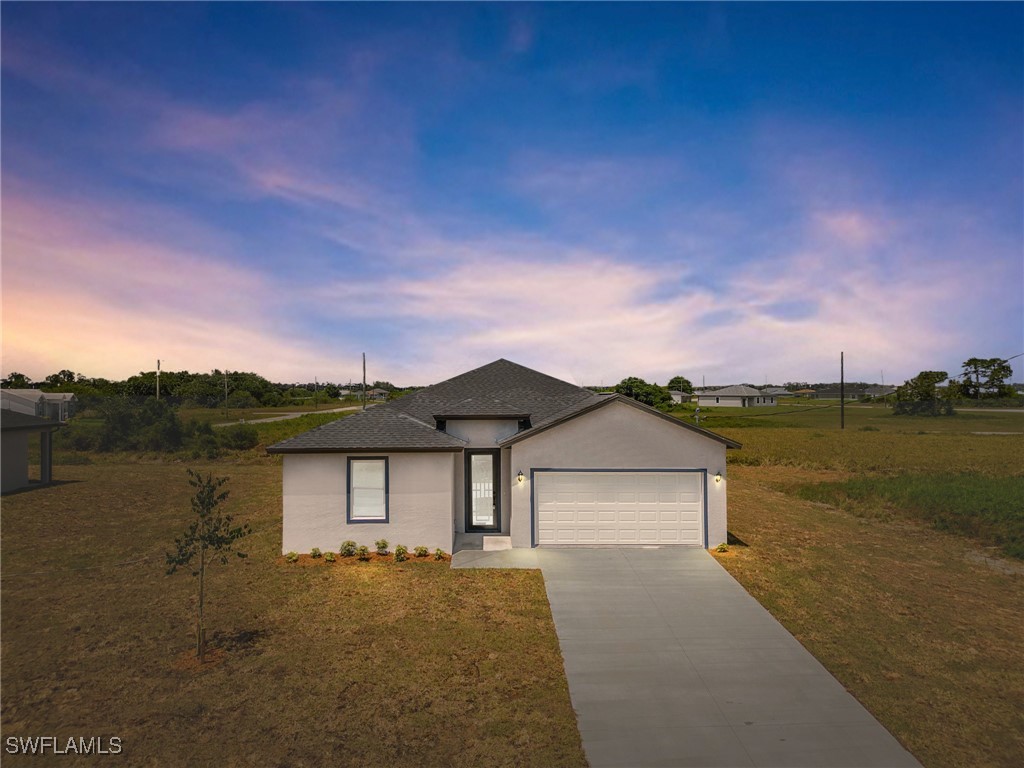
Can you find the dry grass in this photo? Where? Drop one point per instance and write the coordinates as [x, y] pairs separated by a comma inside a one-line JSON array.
[[351, 664], [907, 618]]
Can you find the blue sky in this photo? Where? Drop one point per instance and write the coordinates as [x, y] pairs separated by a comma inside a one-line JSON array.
[[735, 192]]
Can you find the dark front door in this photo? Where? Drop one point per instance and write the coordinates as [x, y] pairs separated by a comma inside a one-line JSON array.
[[483, 490]]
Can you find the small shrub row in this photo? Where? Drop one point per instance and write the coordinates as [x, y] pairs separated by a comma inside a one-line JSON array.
[[349, 548]]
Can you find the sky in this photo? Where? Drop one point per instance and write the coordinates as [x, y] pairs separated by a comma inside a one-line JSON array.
[[728, 192]]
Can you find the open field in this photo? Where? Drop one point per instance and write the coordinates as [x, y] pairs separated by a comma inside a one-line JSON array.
[[923, 626], [347, 664], [914, 622]]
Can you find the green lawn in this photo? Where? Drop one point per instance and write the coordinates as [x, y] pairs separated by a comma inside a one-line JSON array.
[[343, 664]]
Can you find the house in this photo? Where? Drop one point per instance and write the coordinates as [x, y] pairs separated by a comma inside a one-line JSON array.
[[880, 391], [804, 393], [737, 396], [16, 427], [377, 394], [57, 406], [776, 392], [679, 397], [835, 394], [512, 456]]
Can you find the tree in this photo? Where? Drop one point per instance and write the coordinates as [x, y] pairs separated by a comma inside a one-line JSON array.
[[680, 384], [16, 380], [209, 537], [918, 396], [642, 392], [986, 377], [62, 377]]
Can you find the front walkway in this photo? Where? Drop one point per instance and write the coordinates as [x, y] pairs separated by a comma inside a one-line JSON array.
[[671, 663]]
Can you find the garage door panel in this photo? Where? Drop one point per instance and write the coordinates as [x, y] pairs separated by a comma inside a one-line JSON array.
[[593, 508]]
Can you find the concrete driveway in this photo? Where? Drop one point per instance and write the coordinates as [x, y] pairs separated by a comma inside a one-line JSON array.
[[671, 663]]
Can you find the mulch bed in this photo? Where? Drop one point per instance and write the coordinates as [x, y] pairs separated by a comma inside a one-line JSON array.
[[306, 561]]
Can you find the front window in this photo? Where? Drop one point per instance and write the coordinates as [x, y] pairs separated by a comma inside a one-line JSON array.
[[368, 490]]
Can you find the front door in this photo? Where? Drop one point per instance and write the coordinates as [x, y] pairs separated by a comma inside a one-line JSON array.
[[482, 490]]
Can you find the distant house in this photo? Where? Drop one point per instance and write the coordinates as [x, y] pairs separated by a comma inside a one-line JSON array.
[[737, 396], [377, 394], [679, 397], [834, 394], [776, 392], [16, 428], [880, 391], [803, 393]]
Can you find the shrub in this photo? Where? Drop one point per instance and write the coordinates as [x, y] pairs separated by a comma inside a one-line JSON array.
[[315, 553], [382, 546], [439, 554], [292, 557], [239, 437], [348, 548], [723, 547], [329, 557], [206, 446], [869, 428], [363, 552], [421, 551], [401, 553]]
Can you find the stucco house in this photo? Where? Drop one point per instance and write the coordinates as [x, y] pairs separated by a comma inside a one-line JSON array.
[[58, 406], [736, 396], [679, 397], [512, 456]]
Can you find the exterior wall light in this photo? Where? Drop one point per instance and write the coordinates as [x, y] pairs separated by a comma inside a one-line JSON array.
[[520, 477], [718, 477]]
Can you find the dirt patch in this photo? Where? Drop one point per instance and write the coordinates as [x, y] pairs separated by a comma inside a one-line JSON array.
[[189, 662]]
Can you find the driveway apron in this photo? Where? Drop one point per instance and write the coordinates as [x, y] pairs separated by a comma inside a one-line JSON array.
[[671, 663]]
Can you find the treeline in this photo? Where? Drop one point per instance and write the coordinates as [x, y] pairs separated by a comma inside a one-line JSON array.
[[236, 389], [151, 425]]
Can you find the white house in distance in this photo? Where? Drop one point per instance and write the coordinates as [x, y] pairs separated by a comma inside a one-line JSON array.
[[736, 396], [57, 406], [504, 456]]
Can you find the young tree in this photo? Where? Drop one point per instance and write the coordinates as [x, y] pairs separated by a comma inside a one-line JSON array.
[[680, 384], [209, 538]]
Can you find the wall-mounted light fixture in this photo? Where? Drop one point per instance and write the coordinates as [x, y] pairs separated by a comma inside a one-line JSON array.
[[718, 477], [520, 477]]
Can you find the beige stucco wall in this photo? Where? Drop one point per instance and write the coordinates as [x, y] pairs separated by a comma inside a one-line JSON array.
[[14, 463], [420, 502], [618, 436]]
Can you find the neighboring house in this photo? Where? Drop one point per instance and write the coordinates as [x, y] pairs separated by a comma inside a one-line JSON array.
[[834, 394], [737, 396], [679, 397], [377, 394], [880, 391], [516, 456], [776, 392], [58, 406], [804, 393], [16, 428]]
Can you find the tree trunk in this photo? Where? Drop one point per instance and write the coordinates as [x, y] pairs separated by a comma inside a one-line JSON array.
[[200, 629]]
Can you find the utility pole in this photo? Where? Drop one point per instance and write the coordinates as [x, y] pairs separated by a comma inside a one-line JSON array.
[[842, 394], [316, 394], [158, 379], [364, 381], [225, 393]]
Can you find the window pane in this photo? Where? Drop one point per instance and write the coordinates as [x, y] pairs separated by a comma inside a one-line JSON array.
[[367, 503], [368, 474]]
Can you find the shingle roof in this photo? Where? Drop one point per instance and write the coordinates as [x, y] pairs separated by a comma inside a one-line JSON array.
[[735, 390], [501, 389], [599, 401], [377, 429]]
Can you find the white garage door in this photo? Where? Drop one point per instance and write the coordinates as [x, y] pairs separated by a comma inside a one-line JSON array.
[[615, 508]]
